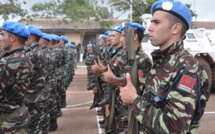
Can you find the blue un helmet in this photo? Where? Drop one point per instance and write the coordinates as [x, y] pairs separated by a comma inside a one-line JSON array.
[[16, 28], [176, 8]]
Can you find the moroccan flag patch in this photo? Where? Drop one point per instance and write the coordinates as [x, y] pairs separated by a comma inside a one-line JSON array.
[[186, 83], [116, 63], [140, 74]]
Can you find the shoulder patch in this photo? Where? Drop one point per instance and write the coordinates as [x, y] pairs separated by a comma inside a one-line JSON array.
[[140, 74], [186, 83], [116, 62]]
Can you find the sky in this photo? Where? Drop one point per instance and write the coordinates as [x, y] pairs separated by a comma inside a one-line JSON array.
[[204, 8]]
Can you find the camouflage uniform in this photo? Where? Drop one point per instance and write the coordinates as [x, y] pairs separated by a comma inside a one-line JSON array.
[[63, 86], [60, 57], [143, 65], [176, 112], [90, 76], [113, 90], [14, 76], [48, 88], [54, 93], [35, 92], [70, 63]]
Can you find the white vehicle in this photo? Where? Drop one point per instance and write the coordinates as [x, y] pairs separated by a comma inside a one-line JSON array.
[[197, 42]]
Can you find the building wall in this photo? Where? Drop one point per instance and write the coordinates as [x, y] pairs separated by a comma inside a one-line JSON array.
[[74, 37]]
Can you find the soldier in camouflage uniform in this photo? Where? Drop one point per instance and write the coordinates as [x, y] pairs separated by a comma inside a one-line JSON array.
[[53, 81], [115, 41], [70, 63], [60, 58], [43, 42], [143, 65], [89, 59], [63, 86], [176, 85], [15, 71], [35, 95]]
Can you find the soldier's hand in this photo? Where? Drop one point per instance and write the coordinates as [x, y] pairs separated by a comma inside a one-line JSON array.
[[108, 76], [128, 93], [107, 110], [95, 90], [94, 67]]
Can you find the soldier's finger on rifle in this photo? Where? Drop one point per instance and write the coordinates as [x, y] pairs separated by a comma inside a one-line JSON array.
[[128, 93], [94, 67], [107, 110]]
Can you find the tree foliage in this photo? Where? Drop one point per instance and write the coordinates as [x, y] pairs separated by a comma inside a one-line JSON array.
[[11, 8], [142, 5]]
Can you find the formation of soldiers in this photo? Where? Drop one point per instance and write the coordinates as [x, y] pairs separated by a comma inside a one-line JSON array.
[[135, 95], [111, 61], [138, 96], [36, 69]]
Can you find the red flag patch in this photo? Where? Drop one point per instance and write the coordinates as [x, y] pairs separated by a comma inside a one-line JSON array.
[[140, 74], [116, 62], [186, 83]]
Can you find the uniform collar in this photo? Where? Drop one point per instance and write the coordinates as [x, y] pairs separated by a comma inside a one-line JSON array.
[[168, 51], [44, 47], [34, 45], [13, 51]]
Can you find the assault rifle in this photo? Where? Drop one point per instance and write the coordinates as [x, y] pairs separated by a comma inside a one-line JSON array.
[[132, 69], [96, 53]]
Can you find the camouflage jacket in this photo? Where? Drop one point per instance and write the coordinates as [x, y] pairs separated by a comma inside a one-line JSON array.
[[116, 53], [71, 55], [15, 71], [60, 56], [175, 113], [38, 75], [144, 64], [49, 62], [52, 78]]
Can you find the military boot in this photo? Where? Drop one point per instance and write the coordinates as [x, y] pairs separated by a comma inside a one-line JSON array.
[[53, 125]]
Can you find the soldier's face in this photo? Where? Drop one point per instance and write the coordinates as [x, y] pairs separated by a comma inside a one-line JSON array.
[[5, 40], [101, 42], [108, 40], [61, 43], [122, 38], [115, 38], [89, 49], [29, 41], [160, 32]]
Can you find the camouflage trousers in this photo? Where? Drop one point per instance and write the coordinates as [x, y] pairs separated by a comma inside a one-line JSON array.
[[53, 107], [15, 122], [20, 131], [121, 113], [38, 115]]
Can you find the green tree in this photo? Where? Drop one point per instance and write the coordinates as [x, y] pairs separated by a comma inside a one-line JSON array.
[[12, 8], [142, 5], [73, 10]]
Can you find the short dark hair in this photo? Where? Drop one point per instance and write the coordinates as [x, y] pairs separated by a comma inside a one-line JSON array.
[[19, 38], [53, 41], [140, 34], [37, 38], [173, 20]]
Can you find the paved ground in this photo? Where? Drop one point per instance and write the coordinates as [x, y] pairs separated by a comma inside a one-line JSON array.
[[78, 119]]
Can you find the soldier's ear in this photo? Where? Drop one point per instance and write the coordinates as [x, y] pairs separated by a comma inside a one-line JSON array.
[[13, 37], [176, 28], [135, 36]]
